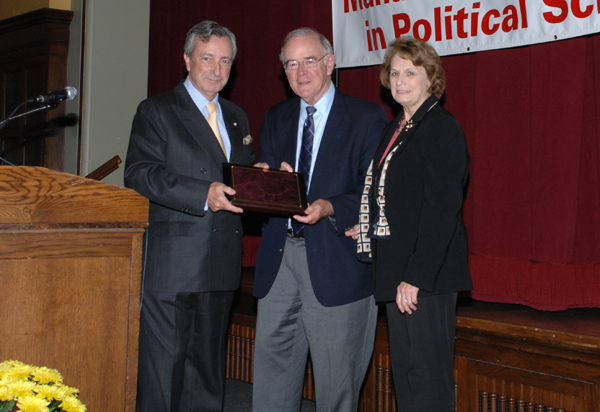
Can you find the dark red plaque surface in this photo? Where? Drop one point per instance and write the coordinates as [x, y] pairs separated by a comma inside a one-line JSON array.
[[266, 190]]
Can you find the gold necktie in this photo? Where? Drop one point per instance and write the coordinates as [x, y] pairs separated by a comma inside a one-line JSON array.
[[214, 124]]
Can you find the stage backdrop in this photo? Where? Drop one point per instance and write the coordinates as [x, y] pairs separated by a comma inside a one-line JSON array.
[[532, 121]]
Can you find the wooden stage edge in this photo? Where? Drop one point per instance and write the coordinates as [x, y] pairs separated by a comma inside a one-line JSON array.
[[508, 358]]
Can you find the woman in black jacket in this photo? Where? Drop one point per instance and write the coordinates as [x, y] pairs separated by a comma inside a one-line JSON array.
[[411, 222]]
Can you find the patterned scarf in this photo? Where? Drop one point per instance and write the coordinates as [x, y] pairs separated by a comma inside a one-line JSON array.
[[380, 228]]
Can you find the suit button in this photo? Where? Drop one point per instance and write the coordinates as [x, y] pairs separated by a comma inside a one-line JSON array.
[[202, 170]]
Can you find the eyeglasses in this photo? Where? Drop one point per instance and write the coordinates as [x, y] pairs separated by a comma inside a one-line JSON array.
[[309, 63]]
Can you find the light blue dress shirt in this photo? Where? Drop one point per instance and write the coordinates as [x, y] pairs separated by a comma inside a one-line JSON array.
[[201, 103], [323, 107]]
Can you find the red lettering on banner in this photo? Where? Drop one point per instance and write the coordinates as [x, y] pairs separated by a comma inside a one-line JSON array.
[[354, 5], [438, 23], [563, 6], [511, 16], [399, 31], [485, 23], [378, 33], [360, 4], [460, 18], [523, 8], [374, 34], [423, 29], [448, 20], [474, 20], [448, 23], [564, 11], [426, 30], [577, 12]]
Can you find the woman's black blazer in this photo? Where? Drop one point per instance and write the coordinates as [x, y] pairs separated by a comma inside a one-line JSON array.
[[426, 181]]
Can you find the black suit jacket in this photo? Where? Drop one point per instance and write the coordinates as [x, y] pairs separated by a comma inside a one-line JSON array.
[[352, 132], [426, 179], [172, 160]]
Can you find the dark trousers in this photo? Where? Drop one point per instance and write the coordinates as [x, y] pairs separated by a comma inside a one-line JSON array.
[[422, 354], [182, 351]]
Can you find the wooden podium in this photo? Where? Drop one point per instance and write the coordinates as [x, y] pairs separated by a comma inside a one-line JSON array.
[[70, 269]]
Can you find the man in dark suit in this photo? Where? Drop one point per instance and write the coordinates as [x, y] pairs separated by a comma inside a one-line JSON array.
[[313, 291], [179, 142]]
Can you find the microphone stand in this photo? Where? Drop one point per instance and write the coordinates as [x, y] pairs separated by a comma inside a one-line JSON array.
[[13, 116], [48, 106]]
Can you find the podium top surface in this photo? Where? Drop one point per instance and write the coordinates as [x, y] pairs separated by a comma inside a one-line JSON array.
[[40, 198]]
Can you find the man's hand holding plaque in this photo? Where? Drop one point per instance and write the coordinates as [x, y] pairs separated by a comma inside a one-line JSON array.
[[315, 211], [262, 189]]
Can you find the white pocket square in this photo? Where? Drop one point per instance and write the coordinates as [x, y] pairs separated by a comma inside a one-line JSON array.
[[247, 140]]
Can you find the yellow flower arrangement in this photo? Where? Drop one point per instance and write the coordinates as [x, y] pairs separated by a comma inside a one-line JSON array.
[[29, 388]]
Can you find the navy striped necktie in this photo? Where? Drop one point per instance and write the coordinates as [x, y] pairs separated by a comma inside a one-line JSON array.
[[308, 136]]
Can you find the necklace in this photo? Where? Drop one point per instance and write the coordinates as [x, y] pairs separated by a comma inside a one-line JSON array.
[[405, 124]]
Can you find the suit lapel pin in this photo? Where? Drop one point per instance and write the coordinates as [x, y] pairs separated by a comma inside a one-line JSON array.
[[234, 124]]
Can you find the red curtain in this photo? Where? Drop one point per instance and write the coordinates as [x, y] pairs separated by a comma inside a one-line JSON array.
[[530, 114]]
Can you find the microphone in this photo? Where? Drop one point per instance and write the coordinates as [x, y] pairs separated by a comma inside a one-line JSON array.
[[68, 93]]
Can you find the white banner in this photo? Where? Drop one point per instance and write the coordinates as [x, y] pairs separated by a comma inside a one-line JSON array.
[[362, 29]]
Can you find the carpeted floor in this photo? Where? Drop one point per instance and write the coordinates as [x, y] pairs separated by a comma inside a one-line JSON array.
[[238, 398]]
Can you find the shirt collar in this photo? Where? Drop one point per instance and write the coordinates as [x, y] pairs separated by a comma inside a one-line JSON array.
[[198, 97], [324, 104]]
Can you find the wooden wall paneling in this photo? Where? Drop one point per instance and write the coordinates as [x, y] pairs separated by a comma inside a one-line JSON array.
[[528, 363], [467, 398], [531, 387], [33, 60], [378, 388], [511, 363], [308, 391], [377, 393], [13, 133], [33, 141], [240, 348]]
